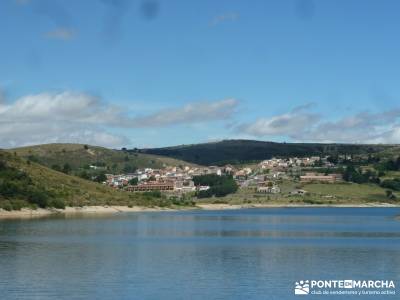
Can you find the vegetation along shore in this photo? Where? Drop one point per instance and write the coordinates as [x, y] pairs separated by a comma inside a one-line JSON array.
[[74, 178]]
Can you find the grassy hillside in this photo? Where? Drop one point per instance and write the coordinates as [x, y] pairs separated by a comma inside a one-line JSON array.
[[317, 193], [242, 151], [24, 183], [79, 157]]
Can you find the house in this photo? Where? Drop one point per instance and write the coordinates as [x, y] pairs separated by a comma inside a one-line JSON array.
[[214, 170], [184, 186], [229, 169], [240, 175], [268, 189], [151, 186], [314, 177], [203, 188]]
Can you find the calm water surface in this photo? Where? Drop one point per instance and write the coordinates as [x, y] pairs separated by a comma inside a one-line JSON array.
[[239, 254]]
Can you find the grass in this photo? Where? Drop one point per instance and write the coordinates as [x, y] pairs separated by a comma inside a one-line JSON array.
[[391, 175], [79, 156], [352, 192], [317, 193], [74, 191]]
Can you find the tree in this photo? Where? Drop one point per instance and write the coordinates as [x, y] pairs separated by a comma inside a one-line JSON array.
[[66, 168], [84, 175], [358, 176], [33, 158], [134, 181], [334, 159], [219, 185], [56, 167], [100, 178], [86, 147], [393, 184], [129, 168]]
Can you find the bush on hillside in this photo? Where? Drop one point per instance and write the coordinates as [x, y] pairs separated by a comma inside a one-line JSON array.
[[393, 184], [220, 186], [18, 189], [57, 203]]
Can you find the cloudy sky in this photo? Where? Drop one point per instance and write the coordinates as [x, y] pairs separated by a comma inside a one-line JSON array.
[[146, 73]]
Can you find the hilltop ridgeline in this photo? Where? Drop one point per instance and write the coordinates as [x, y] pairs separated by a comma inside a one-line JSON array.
[[246, 151]]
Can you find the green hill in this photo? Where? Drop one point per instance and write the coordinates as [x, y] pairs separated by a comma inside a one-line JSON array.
[[80, 157], [25, 183], [244, 151]]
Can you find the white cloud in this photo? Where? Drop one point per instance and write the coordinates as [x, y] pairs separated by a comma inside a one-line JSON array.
[[83, 118], [302, 125], [61, 33], [197, 112], [391, 136], [65, 106], [288, 124], [24, 134], [363, 127]]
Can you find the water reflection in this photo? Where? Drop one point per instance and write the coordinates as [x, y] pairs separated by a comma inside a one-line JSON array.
[[205, 255]]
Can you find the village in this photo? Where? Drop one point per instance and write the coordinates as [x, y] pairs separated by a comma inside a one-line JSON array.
[[263, 177]]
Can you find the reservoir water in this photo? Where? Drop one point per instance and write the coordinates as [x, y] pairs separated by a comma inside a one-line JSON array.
[[230, 254]]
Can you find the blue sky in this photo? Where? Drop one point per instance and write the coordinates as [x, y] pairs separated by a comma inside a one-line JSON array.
[[157, 73]]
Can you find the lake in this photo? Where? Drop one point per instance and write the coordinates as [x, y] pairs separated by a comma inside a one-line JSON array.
[[229, 254]]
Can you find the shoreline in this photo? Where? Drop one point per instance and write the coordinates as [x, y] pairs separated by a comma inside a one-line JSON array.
[[27, 213]]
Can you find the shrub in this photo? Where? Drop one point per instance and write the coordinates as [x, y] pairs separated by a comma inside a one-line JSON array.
[[393, 184], [134, 181], [182, 201], [56, 167], [66, 168], [311, 201], [6, 205], [84, 175], [100, 178], [220, 186], [220, 201], [33, 158], [38, 197], [150, 194], [57, 203], [18, 204]]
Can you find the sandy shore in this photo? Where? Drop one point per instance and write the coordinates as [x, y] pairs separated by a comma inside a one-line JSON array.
[[40, 212], [26, 213]]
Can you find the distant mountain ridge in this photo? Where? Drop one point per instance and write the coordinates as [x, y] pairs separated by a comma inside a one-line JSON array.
[[243, 151]]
